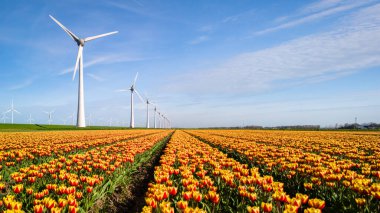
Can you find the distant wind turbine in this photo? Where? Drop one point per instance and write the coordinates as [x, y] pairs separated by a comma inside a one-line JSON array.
[[30, 119], [4, 117], [50, 115], [11, 110], [72, 117], [81, 121], [133, 90], [159, 120], [154, 116]]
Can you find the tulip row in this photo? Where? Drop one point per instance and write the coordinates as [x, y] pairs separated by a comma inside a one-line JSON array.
[[195, 177], [47, 145], [71, 182], [336, 177]]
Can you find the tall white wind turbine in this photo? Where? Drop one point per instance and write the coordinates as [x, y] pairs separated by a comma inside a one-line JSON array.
[[81, 121], [30, 119], [133, 90], [159, 120], [147, 113], [50, 116], [154, 116], [12, 110]]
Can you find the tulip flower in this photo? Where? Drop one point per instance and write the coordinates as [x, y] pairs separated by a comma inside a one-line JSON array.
[[254, 209], [38, 208], [316, 203], [182, 204], [18, 188], [267, 207]]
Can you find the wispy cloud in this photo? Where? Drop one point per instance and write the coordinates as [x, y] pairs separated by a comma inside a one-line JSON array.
[[227, 20], [116, 58], [315, 16], [137, 10], [22, 85], [95, 77], [321, 5], [351, 47], [199, 40]]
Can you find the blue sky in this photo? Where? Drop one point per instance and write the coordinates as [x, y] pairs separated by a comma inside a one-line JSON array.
[[204, 63]]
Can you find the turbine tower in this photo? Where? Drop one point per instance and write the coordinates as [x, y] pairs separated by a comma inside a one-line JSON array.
[[81, 121], [11, 110], [4, 117], [72, 117], [50, 115], [159, 120], [30, 119], [154, 115], [147, 113], [133, 90]]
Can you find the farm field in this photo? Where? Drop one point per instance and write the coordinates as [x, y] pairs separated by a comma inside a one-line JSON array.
[[68, 171], [198, 170], [267, 171]]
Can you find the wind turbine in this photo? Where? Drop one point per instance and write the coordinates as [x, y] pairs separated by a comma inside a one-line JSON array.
[[81, 121], [30, 119], [133, 90], [154, 116], [11, 110], [50, 115], [4, 117], [147, 113], [159, 120], [72, 117]]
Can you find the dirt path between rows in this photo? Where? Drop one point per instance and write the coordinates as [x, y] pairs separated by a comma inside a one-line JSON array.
[[132, 198]]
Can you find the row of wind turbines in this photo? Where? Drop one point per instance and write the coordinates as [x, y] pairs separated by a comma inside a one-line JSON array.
[[163, 121], [81, 121], [12, 109], [160, 122]]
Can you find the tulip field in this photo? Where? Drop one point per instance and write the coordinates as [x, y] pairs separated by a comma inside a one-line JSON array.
[[197, 170], [267, 171], [67, 171]]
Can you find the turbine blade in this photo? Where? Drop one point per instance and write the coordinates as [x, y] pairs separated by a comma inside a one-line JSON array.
[[99, 36], [16, 111], [7, 111], [72, 35], [122, 90], [134, 82], [80, 50], [138, 94]]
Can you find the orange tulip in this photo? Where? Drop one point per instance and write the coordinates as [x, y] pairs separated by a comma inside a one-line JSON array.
[[267, 207], [316, 203], [18, 188], [254, 209], [182, 204], [38, 208]]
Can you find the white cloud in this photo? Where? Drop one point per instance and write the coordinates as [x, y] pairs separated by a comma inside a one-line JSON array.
[[95, 77], [22, 85], [109, 59], [321, 5], [314, 16], [199, 40], [350, 48]]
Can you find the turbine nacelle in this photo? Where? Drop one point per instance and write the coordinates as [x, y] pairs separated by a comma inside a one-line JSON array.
[[81, 42]]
